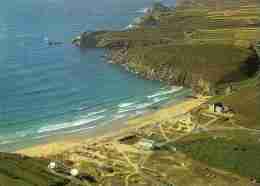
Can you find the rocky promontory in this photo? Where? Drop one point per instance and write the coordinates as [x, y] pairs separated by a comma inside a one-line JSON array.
[[182, 47]]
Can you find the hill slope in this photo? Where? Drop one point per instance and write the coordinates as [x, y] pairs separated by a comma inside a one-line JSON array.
[[17, 170], [217, 44]]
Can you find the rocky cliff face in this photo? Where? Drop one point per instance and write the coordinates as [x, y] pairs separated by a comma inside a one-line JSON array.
[[203, 78], [184, 65], [192, 48]]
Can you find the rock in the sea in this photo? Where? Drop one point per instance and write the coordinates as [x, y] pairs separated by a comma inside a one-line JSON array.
[[54, 43], [76, 41]]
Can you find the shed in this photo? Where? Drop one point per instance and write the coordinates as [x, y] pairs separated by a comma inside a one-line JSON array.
[[52, 165], [146, 144], [217, 107], [74, 172]]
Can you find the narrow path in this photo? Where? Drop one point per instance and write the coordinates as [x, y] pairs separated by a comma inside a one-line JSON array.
[[214, 119], [163, 133], [125, 157]]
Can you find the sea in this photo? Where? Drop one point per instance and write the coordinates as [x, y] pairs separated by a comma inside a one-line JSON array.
[[60, 89]]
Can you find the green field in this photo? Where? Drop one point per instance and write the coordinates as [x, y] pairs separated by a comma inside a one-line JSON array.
[[235, 151], [16, 170]]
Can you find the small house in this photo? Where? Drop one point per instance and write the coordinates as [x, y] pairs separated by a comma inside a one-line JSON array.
[[217, 107], [74, 172], [146, 144], [52, 165]]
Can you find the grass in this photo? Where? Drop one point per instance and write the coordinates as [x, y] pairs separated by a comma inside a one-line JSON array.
[[245, 101], [237, 152], [23, 171], [203, 47], [192, 41], [188, 63]]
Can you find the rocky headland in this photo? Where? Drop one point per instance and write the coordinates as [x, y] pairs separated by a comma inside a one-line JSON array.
[[182, 46]]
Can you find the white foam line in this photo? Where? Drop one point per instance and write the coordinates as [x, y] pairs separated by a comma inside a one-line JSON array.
[[130, 26], [6, 142], [120, 116], [126, 110], [157, 100], [98, 112], [144, 10], [57, 127], [144, 105], [166, 92], [123, 105], [42, 136], [79, 130]]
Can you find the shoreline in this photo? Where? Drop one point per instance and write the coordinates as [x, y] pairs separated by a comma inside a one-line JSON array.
[[108, 118], [112, 130]]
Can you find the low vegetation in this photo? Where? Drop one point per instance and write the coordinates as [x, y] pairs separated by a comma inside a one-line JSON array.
[[17, 170], [191, 46], [235, 151]]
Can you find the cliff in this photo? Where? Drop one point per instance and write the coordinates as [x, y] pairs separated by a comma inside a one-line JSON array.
[[199, 48], [203, 67]]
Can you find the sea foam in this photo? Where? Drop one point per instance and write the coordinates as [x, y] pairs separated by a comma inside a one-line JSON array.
[[123, 105], [66, 125], [165, 92], [144, 10]]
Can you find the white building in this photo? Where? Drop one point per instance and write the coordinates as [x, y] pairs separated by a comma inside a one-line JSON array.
[[52, 165], [146, 144]]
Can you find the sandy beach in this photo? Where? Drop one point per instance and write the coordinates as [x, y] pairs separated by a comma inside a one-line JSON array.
[[114, 130]]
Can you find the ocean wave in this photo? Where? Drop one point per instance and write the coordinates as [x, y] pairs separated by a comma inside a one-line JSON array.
[[136, 107], [120, 111], [97, 112], [52, 128], [91, 113], [119, 116], [23, 133], [128, 107], [140, 112], [165, 92], [41, 136], [79, 130], [158, 100], [143, 105], [41, 90], [130, 26], [144, 10], [5, 142], [123, 105]]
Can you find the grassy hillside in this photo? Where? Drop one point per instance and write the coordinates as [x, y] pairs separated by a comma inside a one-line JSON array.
[[245, 101], [237, 151], [207, 44], [16, 170], [188, 64]]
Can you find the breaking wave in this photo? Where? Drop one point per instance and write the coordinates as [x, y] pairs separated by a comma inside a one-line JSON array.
[[63, 126], [143, 10], [165, 92]]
